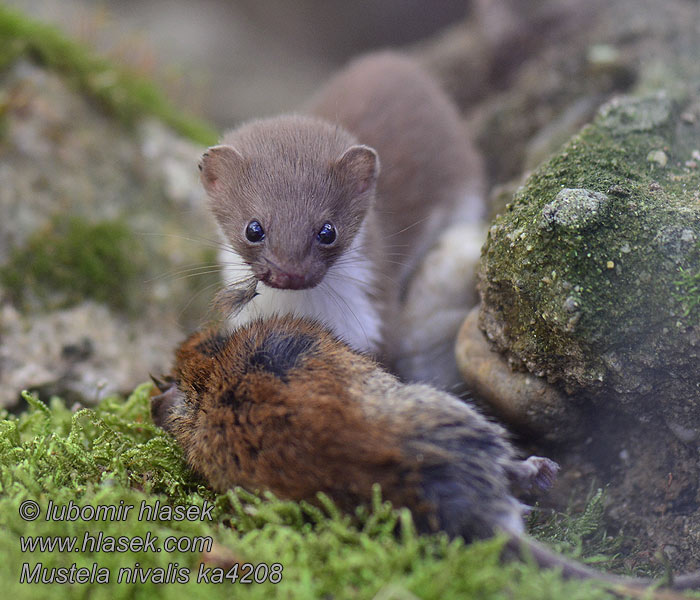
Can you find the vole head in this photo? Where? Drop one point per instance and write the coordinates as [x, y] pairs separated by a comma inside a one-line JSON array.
[[290, 194]]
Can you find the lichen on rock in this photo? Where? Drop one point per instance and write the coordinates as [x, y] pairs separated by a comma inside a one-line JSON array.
[[579, 276], [574, 210]]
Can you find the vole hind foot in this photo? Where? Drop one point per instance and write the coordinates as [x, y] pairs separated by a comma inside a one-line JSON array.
[[535, 470]]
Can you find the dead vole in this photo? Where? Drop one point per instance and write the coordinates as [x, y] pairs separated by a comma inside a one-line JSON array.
[[327, 212], [283, 405]]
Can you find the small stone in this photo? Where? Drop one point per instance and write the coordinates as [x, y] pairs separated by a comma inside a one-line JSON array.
[[603, 55], [574, 209], [659, 157], [571, 304], [674, 242], [687, 435], [687, 235], [627, 115]]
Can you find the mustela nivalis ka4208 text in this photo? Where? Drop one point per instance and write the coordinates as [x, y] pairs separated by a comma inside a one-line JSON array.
[[327, 213]]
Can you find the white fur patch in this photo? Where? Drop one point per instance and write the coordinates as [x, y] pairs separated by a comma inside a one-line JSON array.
[[341, 301]]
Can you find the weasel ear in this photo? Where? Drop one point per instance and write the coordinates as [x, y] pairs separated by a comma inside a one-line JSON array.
[[358, 167], [219, 165]]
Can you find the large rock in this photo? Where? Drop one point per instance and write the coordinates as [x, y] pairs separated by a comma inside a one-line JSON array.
[[590, 277], [606, 341]]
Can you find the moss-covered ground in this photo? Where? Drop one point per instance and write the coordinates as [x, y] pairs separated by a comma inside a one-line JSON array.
[[124, 94], [114, 455]]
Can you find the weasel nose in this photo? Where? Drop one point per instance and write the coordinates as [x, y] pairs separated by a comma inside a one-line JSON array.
[[293, 281], [287, 281]]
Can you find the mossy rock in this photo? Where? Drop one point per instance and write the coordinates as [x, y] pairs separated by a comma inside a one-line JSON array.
[[590, 277], [71, 259], [107, 249], [127, 96]]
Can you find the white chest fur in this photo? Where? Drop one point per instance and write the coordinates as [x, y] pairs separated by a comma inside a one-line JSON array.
[[342, 301]]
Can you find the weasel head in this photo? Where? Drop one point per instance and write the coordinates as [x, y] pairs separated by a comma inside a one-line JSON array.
[[290, 194]]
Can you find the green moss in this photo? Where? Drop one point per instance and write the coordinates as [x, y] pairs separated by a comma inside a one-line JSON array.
[[71, 259], [570, 532], [688, 289], [123, 94], [113, 453], [583, 535]]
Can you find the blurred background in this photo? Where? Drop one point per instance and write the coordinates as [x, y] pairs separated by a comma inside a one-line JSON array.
[[229, 60]]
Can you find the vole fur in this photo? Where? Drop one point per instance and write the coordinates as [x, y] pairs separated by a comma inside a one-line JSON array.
[[284, 405]]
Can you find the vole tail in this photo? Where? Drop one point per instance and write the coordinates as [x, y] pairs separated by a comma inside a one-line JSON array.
[[523, 547]]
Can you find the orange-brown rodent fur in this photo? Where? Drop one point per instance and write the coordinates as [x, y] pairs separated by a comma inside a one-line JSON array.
[[249, 425], [283, 405]]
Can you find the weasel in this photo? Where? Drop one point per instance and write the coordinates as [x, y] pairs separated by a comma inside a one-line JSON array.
[[327, 213], [283, 405]]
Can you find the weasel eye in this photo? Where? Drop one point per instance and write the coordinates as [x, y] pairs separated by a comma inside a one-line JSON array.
[[327, 234], [254, 232]]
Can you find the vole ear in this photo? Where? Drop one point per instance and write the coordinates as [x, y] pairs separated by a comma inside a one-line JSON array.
[[358, 167], [219, 165], [169, 406]]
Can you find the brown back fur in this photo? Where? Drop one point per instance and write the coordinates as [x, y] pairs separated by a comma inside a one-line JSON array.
[[247, 421], [282, 405], [387, 102]]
